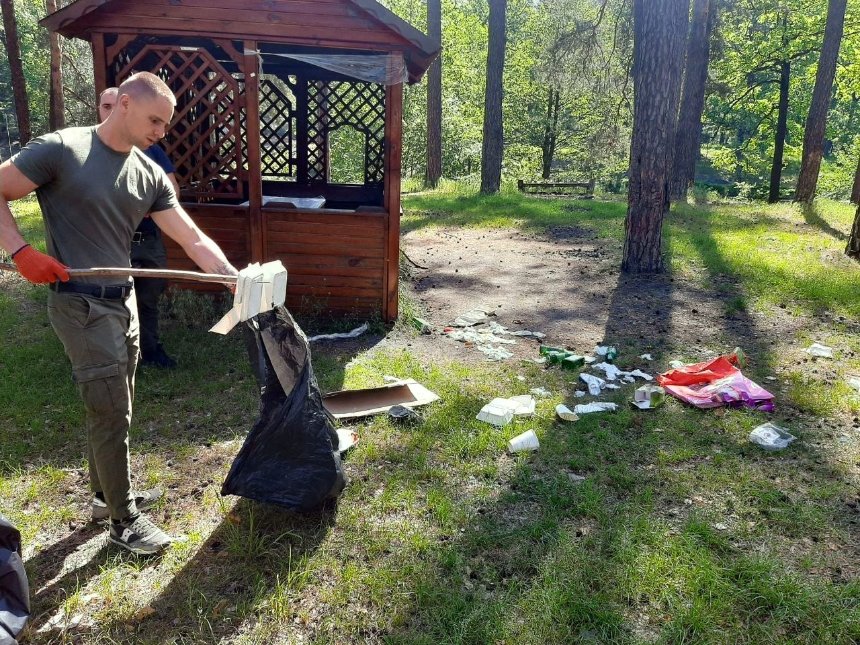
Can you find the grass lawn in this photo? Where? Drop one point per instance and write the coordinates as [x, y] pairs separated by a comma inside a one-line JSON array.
[[680, 532]]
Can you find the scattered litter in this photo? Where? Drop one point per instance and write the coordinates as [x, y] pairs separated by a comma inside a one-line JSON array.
[[612, 372], [526, 441], [819, 350], [715, 383], [648, 397], [565, 413], [594, 383], [525, 404], [540, 392], [499, 412], [346, 439], [471, 317], [771, 437], [589, 360], [521, 378], [390, 379], [721, 527], [358, 331], [628, 379], [576, 479], [478, 336], [402, 413], [422, 325], [646, 357], [494, 353], [608, 351], [348, 404], [854, 381], [540, 361], [579, 394], [770, 378], [612, 386], [675, 365], [496, 328], [641, 374], [597, 406]]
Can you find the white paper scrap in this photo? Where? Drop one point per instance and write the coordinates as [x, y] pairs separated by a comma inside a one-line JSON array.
[[597, 406]]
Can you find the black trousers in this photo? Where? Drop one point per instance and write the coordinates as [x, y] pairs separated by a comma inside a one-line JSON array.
[[148, 253]]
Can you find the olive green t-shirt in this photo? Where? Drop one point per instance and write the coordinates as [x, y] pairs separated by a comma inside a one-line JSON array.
[[92, 197]]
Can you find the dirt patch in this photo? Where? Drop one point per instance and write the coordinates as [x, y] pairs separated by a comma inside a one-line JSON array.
[[567, 283]]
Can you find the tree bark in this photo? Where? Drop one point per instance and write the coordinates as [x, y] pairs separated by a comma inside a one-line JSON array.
[[659, 27], [853, 248], [434, 99], [57, 108], [16, 71], [689, 131], [493, 144], [781, 129], [855, 189], [550, 133], [816, 120]]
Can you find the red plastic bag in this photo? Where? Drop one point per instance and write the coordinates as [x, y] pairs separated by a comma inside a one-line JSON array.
[[715, 383]]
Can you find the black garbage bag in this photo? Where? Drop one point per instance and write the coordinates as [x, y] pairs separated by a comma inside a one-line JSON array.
[[14, 588], [290, 457]]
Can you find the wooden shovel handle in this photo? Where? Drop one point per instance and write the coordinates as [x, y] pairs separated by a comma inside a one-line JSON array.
[[166, 274]]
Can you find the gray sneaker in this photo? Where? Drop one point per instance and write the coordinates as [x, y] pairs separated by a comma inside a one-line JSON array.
[[143, 498], [139, 536]]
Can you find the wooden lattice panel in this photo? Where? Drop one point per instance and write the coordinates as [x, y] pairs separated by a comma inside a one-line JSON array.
[[333, 104], [277, 127], [205, 140]]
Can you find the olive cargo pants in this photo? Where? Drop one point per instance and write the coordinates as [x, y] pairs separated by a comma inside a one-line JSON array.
[[101, 339]]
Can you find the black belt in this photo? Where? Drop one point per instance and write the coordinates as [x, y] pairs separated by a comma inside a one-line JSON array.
[[140, 238], [108, 292]]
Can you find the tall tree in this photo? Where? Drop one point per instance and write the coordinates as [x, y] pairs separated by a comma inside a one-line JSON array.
[[550, 133], [816, 120], [780, 132], [434, 99], [853, 247], [16, 70], [659, 28], [493, 144], [57, 109], [855, 189], [689, 131]]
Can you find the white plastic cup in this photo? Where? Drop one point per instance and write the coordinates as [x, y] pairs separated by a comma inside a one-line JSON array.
[[526, 441]]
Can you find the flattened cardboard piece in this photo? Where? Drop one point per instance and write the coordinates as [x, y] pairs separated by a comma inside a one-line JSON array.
[[349, 404]]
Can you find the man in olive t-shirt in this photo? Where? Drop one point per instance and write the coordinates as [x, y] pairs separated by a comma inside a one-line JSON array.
[[94, 186]]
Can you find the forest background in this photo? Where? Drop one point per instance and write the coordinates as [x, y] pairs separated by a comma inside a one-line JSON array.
[[567, 102]]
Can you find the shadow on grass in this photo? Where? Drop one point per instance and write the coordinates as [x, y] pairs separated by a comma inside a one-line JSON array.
[[812, 216]]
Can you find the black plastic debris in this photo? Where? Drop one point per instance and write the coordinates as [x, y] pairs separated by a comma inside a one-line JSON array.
[[290, 457], [14, 588]]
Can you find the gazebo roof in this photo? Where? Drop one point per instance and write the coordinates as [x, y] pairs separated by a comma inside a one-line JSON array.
[[351, 24]]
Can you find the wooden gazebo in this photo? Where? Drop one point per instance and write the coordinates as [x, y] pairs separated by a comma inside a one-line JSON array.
[[287, 130]]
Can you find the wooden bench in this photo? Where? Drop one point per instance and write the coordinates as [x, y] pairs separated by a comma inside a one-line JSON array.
[[583, 188]]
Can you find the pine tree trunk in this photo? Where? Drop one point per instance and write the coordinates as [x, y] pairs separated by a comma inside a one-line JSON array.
[[493, 145], [550, 133], [689, 131], [57, 108], [816, 120], [659, 27], [853, 248], [16, 71], [781, 129], [855, 189], [434, 99]]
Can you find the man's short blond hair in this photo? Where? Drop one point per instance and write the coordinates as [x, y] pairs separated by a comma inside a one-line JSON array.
[[146, 85], [108, 89]]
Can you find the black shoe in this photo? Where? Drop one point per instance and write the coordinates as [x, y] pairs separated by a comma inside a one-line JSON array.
[[157, 358]]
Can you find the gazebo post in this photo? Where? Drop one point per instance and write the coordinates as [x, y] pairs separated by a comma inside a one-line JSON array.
[[99, 63], [251, 70], [393, 147]]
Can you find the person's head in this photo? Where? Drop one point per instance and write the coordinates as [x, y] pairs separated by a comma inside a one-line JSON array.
[[107, 100], [144, 107]]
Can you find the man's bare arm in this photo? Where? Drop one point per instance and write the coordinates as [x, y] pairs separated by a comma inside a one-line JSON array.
[[172, 177], [13, 185], [179, 226]]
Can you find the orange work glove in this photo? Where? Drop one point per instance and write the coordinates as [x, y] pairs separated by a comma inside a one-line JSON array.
[[39, 268]]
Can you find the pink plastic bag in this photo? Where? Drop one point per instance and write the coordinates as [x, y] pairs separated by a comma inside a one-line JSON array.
[[716, 383]]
